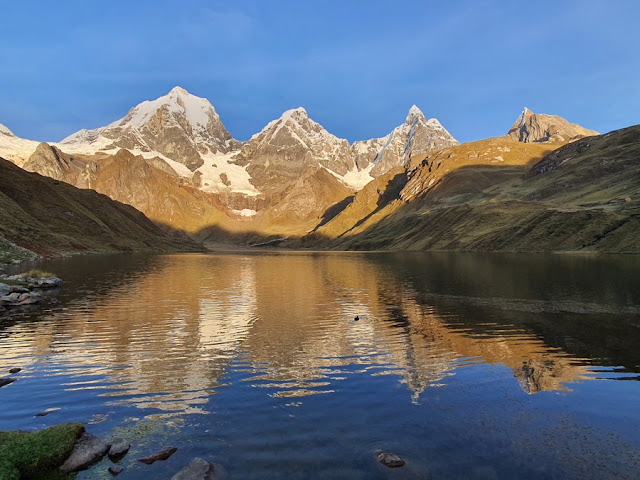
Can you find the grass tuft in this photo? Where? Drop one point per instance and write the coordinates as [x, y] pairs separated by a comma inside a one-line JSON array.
[[35, 273]]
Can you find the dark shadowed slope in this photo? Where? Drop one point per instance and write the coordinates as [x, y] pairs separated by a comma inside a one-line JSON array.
[[53, 218]]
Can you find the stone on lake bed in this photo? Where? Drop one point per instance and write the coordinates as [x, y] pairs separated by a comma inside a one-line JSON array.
[[389, 459], [198, 469], [45, 413], [119, 448], [6, 381], [161, 455], [116, 470], [88, 450]]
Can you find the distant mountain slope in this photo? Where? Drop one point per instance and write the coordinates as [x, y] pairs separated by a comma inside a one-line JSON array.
[[539, 127], [15, 149], [52, 218], [582, 196]]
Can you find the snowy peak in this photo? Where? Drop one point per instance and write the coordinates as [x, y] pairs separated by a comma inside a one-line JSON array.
[[415, 136], [415, 114], [295, 125], [178, 126], [197, 111]]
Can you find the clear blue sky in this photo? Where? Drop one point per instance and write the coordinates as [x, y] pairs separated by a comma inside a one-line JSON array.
[[356, 66]]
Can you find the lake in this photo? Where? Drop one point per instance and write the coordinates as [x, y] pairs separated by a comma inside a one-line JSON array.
[[467, 366]]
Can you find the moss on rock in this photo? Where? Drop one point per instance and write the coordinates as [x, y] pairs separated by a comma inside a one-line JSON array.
[[37, 455]]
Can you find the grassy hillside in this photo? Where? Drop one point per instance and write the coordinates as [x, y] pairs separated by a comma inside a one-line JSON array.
[[52, 218], [584, 196]]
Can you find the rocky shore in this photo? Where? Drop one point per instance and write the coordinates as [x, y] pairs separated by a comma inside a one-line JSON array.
[[26, 290], [69, 448]]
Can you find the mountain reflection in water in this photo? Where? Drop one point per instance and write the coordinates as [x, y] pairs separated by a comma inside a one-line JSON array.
[[168, 332]]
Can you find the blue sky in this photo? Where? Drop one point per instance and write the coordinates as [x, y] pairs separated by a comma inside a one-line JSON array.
[[355, 66]]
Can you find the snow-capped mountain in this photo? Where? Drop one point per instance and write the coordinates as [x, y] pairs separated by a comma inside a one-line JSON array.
[[288, 145], [179, 126], [539, 127], [182, 134], [415, 136]]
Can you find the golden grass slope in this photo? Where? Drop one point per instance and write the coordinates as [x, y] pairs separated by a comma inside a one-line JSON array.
[[431, 173], [500, 195]]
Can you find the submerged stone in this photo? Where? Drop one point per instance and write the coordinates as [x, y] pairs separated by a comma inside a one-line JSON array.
[[116, 470], [6, 381], [161, 455], [198, 469], [119, 448]]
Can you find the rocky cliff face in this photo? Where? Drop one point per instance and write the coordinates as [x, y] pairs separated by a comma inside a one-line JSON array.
[[539, 127]]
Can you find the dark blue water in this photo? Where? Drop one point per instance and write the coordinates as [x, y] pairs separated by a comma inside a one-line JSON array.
[[467, 366]]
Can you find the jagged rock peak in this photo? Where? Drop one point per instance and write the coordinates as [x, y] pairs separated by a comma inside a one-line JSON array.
[[540, 127], [4, 130], [526, 113]]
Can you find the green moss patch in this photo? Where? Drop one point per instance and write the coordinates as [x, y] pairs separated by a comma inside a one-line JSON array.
[[37, 455]]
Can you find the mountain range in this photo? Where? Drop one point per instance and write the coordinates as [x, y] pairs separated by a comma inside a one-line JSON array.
[[296, 183]]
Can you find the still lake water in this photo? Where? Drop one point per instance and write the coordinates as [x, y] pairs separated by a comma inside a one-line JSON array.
[[468, 366]]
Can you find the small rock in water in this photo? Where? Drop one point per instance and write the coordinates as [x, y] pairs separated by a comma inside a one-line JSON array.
[[119, 448], [51, 282], [116, 470], [88, 450], [161, 455], [198, 469], [6, 381], [15, 370], [389, 459]]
